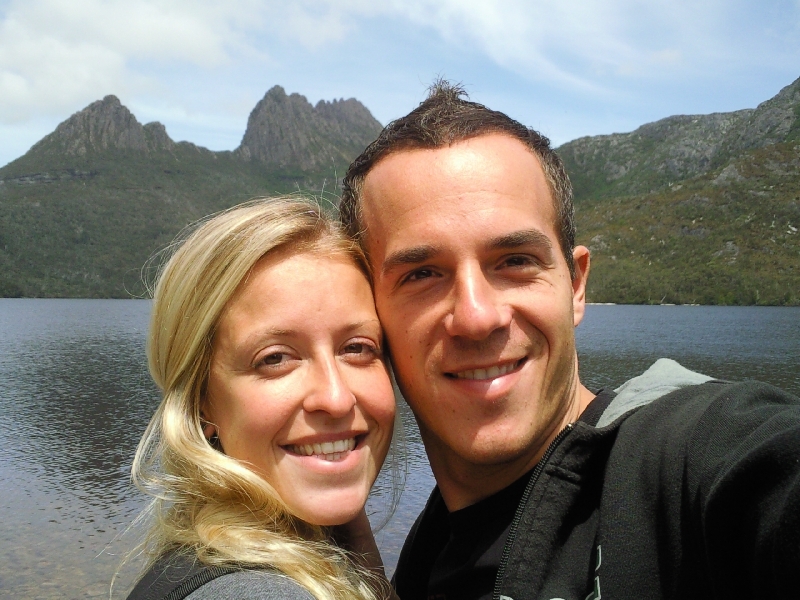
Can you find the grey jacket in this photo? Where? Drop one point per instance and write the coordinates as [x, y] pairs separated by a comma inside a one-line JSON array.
[[178, 575], [251, 585]]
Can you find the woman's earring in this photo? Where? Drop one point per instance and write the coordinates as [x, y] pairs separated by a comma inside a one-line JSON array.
[[211, 434]]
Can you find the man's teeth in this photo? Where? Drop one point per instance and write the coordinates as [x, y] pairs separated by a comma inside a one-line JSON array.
[[325, 450], [489, 373]]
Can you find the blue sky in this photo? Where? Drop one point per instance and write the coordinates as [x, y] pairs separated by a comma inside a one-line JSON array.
[[566, 67]]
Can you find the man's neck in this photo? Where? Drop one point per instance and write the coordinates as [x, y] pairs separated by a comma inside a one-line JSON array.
[[463, 483]]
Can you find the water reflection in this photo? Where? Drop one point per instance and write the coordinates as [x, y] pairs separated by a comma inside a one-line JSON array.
[[616, 343], [76, 397], [74, 431], [417, 481]]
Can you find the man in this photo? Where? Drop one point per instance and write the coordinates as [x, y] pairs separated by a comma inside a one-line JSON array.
[[545, 489]]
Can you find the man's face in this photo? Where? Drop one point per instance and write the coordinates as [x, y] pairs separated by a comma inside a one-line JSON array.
[[476, 299]]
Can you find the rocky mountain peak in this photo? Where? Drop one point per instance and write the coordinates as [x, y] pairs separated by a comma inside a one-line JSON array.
[[104, 125], [287, 131], [772, 122], [157, 138]]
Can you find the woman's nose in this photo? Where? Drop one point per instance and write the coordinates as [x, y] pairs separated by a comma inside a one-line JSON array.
[[329, 391]]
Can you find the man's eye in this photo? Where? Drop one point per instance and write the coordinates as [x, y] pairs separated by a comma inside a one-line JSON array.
[[517, 261], [419, 274]]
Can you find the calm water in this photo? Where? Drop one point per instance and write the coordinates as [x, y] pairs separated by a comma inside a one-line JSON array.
[[75, 397]]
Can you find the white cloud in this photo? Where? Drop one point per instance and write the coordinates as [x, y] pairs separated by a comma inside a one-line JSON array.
[[575, 43], [572, 44], [56, 53]]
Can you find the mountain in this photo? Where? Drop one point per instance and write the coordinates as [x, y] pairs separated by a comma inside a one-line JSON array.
[[104, 125], [694, 209], [678, 147], [288, 132], [86, 207], [689, 209]]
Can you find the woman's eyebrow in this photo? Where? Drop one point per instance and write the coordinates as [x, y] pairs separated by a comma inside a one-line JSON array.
[[259, 335], [363, 324]]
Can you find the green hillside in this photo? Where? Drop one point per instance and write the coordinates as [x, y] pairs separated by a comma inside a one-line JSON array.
[[727, 237], [694, 209], [84, 230]]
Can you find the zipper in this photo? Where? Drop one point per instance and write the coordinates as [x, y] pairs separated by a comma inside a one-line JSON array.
[[512, 532]]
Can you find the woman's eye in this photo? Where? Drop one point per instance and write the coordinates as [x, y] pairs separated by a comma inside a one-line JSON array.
[[355, 348], [361, 349], [275, 358]]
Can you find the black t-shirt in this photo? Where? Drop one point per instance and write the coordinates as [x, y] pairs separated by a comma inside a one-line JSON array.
[[458, 553], [466, 566]]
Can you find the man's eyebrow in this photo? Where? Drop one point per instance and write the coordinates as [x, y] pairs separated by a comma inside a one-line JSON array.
[[515, 239], [408, 256]]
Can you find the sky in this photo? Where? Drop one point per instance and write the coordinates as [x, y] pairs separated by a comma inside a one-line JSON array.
[[568, 68]]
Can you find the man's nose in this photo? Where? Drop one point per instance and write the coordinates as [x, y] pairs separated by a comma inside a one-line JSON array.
[[477, 308], [328, 391]]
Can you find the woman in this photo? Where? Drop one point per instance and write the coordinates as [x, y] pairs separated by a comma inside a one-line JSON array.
[[276, 411]]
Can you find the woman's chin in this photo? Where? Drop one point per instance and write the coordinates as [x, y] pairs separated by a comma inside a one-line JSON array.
[[329, 509], [326, 493]]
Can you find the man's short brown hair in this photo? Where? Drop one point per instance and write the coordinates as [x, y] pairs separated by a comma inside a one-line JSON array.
[[445, 118]]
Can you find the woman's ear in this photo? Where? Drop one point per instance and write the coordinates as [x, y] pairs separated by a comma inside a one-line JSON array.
[[206, 421]]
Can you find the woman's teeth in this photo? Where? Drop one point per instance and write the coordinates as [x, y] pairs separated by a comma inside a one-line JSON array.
[[326, 450]]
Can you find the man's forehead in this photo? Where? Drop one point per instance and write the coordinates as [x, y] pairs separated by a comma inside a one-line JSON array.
[[413, 183], [466, 159]]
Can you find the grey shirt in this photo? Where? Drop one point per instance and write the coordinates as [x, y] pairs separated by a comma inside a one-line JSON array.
[[251, 585]]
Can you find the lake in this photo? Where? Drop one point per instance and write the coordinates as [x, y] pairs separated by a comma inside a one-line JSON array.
[[75, 397]]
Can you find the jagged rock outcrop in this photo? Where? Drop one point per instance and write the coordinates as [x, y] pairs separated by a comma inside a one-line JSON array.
[[156, 137], [679, 147], [102, 126], [774, 121], [286, 131]]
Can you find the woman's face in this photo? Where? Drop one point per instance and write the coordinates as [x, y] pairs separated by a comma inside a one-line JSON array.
[[298, 387]]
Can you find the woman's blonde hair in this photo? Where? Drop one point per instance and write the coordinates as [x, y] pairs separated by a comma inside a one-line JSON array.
[[205, 502]]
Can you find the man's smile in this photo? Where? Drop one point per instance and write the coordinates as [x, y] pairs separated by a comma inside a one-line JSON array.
[[487, 372]]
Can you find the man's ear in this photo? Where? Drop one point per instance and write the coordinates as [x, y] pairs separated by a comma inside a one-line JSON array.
[[581, 260]]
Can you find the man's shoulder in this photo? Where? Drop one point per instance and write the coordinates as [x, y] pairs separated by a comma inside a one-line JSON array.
[[667, 384], [715, 403], [708, 428], [661, 379]]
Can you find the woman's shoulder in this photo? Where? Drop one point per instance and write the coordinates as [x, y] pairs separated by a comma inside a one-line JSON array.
[[179, 575], [251, 585]]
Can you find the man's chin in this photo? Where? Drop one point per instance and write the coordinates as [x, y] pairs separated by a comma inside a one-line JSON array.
[[491, 452]]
